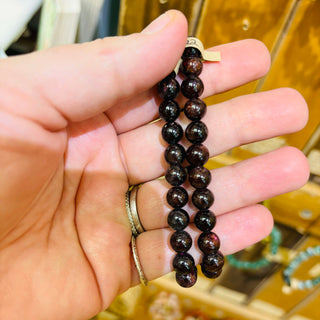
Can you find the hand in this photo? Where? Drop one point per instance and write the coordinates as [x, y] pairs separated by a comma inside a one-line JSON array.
[[75, 132]]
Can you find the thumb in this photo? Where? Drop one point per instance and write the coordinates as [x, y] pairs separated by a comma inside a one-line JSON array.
[[82, 80]]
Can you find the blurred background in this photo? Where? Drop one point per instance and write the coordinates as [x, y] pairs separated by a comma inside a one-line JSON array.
[[252, 285]]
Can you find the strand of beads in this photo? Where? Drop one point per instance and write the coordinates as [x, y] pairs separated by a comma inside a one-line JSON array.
[[264, 261], [197, 155], [177, 196], [295, 263]]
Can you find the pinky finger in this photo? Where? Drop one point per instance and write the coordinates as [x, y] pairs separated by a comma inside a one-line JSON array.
[[236, 230]]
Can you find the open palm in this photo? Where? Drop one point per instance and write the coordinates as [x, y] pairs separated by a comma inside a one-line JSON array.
[[76, 131]]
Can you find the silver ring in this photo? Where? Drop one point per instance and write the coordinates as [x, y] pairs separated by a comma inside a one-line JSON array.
[[134, 212], [143, 279], [127, 200]]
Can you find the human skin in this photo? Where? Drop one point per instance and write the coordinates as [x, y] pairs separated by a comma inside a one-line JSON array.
[[75, 132]]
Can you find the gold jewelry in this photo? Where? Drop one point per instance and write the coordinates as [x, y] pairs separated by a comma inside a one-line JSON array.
[[143, 279], [134, 211]]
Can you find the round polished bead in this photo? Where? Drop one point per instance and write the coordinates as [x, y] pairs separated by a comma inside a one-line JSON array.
[[181, 241], [191, 66], [175, 154], [177, 197], [197, 154], [168, 88], [176, 175], [213, 261], [205, 220], [169, 110], [208, 242], [209, 274], [192, 87], [195, 109], [183, 262], [187, 280], [196, 132], [178, 219], [202, 198], [172, 132], [199, 177], [191, 52]]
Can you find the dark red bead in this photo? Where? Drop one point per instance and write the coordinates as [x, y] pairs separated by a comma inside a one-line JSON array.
[[191, 52], [199, 177], [196, 132], [181, 241], [178, 219], [195, 109], [168, 88], [202, 198], [175, 154], [183, 262], [177, 197], [172, 132], [176, 175], [169, 110], [209, 274], [192, 87], [205, 220], [208, 242], [191, 66], [213, 261], [187, 280], [197, 154]]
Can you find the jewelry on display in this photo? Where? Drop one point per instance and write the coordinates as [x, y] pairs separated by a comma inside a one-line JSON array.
[[295, 263], [137, 263], [198, 176], [263, 262]]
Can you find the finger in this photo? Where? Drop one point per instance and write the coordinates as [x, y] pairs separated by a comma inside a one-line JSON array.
[[81, 81], [236, 230], [232, 123], [235, 186], [242, 61]]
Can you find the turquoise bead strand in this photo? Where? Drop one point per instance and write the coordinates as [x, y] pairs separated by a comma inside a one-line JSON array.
[[295, 264], [263, 262]]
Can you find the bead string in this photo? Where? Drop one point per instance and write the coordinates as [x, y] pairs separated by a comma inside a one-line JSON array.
[[197, 155], [264, 261], [177, 196], [199, 177], [295, 263]]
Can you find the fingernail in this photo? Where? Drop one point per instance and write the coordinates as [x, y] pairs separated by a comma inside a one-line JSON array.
[[158, 24]]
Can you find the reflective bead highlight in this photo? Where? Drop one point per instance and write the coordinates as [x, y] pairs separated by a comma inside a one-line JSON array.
[[181, 241], [196, 132], [202, 198], [195, 109], [168, 88], [205, 220], [178, 219], [197, 154], [172, 132], [199, 177], [169, 110], [183, 262], [175, 154], [208, 243], [177, 197], [192, 87], [187, 280]]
